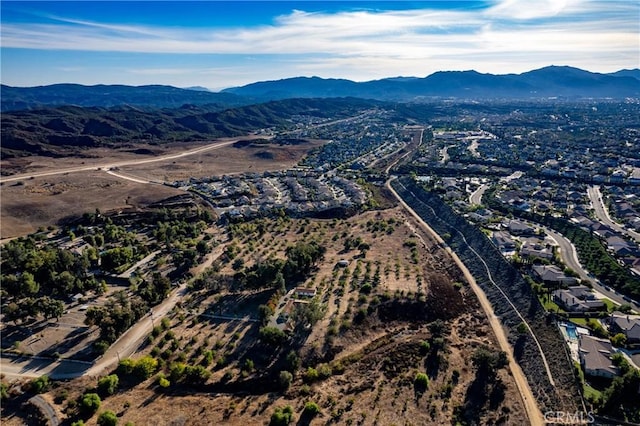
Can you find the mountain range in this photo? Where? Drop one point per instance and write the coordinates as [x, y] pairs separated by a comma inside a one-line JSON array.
[[549, 82]]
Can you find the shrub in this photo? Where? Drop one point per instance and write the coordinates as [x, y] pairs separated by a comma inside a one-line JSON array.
[[145, 367], [108, 418], [108, 384], [162, 381], [311, 408], [285, 378], [125, 367], [424, 347], [311, 375], [41, 384], [324, 371], [281, 416], [421, 382], [90, 403]]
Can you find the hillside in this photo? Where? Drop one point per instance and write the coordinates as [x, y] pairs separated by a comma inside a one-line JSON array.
[[151, 96], [68, 130]]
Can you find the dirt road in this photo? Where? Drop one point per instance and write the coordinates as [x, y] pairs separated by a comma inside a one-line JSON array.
[[111, 165], [531, 407]]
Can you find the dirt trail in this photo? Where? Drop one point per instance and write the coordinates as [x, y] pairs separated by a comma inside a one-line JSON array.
[[533, 411], [110, 165]]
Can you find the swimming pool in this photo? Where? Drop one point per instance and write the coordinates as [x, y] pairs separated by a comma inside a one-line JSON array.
[[571, 331]]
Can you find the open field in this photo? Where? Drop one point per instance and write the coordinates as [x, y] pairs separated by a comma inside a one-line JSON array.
[[28, 204]]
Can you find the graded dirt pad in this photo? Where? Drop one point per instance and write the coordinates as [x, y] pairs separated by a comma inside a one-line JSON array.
[[32, 203], [42, 201], [237, 158]]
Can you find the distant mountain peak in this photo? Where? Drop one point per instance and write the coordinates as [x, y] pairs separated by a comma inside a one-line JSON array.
[[197, 88], [554, 81]]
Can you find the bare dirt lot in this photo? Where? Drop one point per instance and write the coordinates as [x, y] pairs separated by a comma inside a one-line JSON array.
[[30, 203]]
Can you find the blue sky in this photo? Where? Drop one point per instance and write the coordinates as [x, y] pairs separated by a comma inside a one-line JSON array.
[[218, 44]]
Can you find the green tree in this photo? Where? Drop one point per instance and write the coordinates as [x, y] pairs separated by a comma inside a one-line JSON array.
[[264, 313], [487, 361], [272, 336], [50, 308], [107, 418], [90, 403], [421, 382], [281, 416], [145, 367], [293, 361], [28, 284], [108, 385], [41, 384], [619, 340]]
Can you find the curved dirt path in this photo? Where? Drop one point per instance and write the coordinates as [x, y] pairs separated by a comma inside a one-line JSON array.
[[533, 411], [111, 165]]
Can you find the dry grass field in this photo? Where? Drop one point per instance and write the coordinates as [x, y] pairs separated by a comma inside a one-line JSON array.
[[28, 204], [368, 364]]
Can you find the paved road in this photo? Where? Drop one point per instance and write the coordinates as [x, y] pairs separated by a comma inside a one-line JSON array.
[[476, 197], [533, 411], [569, 257], [46, 409], [129, 342], [595, 196], [14, 367], [126, 345]]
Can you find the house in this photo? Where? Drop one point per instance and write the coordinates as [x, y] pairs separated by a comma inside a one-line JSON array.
[[519, 228], [629, 325], [620, 246], [595, 356], [536, 250], [503, 241], [601, 230], [577, 299], [304, 292], [553, 275]]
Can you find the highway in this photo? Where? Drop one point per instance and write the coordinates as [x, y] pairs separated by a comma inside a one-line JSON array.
[[595, 196]]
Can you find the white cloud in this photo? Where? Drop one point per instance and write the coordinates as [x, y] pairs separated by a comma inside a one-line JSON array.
[[374, 44]]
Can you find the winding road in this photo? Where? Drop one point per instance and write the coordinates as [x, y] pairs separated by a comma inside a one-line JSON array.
[[595, 196], [569, 256], [476, 197]]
